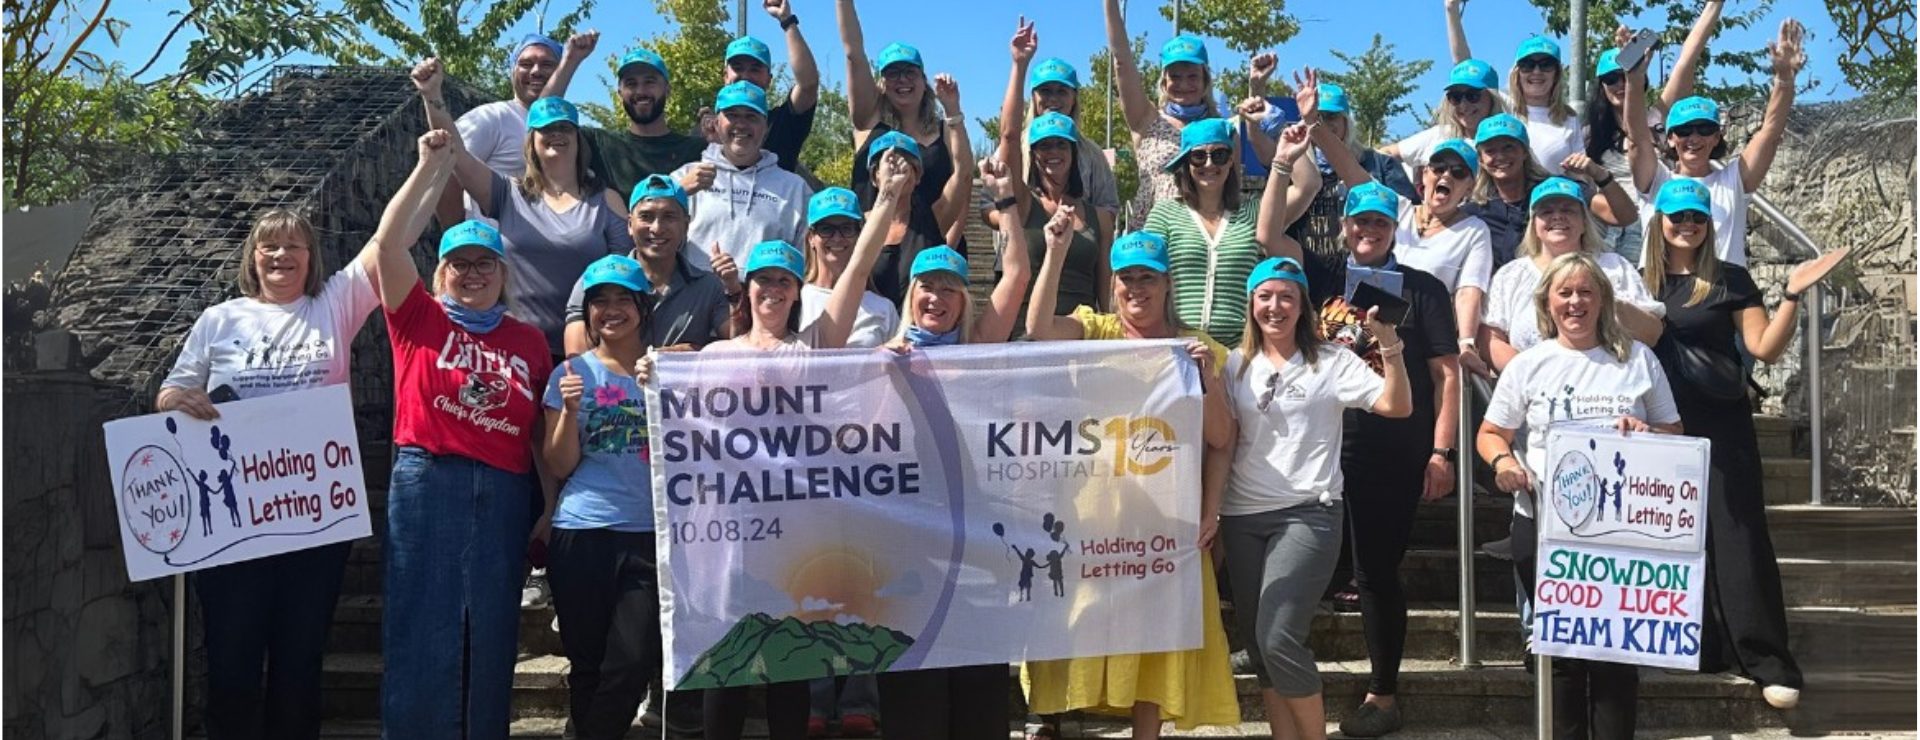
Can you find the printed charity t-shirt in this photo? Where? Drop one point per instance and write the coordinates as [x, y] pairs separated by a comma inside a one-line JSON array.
[[1510, 300], [1288, 452], [612, 487], [253, 348], [457, 393]]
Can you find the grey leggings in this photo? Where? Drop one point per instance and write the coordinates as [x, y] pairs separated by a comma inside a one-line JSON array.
[[1286, 556]]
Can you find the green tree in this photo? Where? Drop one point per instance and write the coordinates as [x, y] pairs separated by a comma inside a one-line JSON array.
[[1879, 46], [989, 140], [829, 150], [1376, 81], [473, 51], [1747, 73], [691, 49], [1246, 26], [1095, 116]]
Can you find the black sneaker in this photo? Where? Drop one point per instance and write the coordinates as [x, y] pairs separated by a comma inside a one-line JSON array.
[[1371, 721]]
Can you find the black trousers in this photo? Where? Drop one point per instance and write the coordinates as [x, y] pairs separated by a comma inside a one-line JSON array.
[[1591, 698], [1750, 633], [946, 703], [266, 631], [725, 711], [607, 595]]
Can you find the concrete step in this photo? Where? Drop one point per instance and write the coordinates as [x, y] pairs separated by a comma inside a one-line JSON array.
[[1079, 727], [1842, 532], [1786, 480], [1430, 576], [351, 686], [1779, 436]]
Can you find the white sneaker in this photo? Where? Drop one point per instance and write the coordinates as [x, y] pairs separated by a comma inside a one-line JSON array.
[[1781, 697], [1500, 549], [535, 595]]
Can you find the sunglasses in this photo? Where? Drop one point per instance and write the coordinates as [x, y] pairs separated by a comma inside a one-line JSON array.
[[1204, 157], [1266, 396], [1455, 171], [1537, 64], [1689, 217], [1701, 130], [1458, 97], [843, 231], [1613, 78]]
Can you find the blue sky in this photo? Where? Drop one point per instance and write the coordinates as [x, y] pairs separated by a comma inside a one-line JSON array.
[[971, 44]]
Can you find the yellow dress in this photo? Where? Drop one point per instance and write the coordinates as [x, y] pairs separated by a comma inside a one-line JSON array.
[[1192, 687]]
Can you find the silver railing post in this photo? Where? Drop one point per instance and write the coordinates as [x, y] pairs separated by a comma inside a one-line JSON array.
[[1816, 436], [1463, 469], [1543, 697]]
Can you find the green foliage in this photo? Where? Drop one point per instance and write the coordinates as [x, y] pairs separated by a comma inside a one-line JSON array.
[[472, 51], [1747, 71], [1376, 81], [691, 49], [1879, 40], [990, 142], [1246, 26], [829, 150], [1097, 81]]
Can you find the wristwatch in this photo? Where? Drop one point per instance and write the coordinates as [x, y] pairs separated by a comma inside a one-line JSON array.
[[1448, 454]]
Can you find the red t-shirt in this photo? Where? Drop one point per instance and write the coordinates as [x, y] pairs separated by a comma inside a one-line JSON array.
[[455, 393]]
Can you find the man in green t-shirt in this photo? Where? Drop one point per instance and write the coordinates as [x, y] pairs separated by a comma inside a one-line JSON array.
[[646, 146]]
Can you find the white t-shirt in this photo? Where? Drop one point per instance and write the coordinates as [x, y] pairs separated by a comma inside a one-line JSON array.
[[1415, 149], [1289, 453], [1728, 192], [873, 326], [1510, 300], [1553, 142], [1551, 383], [1461, 255], [496, 133], [256, 348]]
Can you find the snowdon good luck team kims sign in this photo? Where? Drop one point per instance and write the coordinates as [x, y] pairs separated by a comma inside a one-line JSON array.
[[271, 475], [1623, 534], [834, 513]]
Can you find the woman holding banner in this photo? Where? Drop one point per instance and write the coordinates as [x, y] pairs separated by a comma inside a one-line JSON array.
[[1281, 517], [466, 421], [1584, 347], [775, 275], [1709, 305], [1189, 688], [291, 329]]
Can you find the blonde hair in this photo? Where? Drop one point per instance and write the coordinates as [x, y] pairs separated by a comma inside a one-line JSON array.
[[1612, 335], [1591, 244], [1706, 264], [964, 322], [1484, 191], [442, 273], [1306, 332], [533, 181], [1557, 109], [1166, 85], [927, 115], [1445, 115], [281, 221]]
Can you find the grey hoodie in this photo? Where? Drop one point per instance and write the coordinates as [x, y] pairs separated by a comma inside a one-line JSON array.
[[744, 207]]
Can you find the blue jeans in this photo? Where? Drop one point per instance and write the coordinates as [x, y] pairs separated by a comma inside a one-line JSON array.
[[455, 552], [272, 612], [1627, 241]]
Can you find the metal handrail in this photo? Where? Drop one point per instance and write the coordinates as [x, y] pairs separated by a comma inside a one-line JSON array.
[[1463, 483], [1810, 370]]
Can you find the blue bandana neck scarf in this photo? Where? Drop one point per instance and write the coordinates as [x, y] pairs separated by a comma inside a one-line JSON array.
[[475, 321], [1190, 113], [919, 337]]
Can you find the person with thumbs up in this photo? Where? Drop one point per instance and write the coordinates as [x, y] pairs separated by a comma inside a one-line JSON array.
[[751, 199], [690, 306]]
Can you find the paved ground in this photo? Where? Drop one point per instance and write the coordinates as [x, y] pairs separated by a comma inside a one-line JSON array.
[[551, 728]]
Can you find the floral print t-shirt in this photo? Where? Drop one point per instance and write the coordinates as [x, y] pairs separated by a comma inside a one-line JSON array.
[[612, 487]]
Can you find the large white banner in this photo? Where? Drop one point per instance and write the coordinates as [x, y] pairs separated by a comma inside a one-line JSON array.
[[832, 513], [1622, 559], [271, 475]]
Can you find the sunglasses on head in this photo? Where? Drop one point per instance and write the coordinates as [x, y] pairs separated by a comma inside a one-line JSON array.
[[1463, 96], [1689, 217], [1456, 171], [1537, 64], [1613, 78], [1695, 129], [1204, 157]]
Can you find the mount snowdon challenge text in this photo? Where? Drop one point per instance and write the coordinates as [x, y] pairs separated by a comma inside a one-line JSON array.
[[760, 428]]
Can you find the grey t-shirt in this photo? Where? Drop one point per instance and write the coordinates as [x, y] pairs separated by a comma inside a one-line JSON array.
[[694, 296], [547, 251]]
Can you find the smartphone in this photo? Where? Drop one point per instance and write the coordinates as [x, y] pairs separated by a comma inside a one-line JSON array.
[[1393, 308], [1636, 48]]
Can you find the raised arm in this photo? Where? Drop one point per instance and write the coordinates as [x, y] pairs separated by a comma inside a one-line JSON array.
[[1642, 159], [952, 205], [579, 48], [1134, 104], [1680, 81], [1013, 106], [1789, 56], [1042, 325], [843, 304], [388, 256], [473, 175], [1016, 266], [1306, 94], [1457, 31], [1610, 202], [863, 98], [806, 72], [1271, 223], [1767, 337]]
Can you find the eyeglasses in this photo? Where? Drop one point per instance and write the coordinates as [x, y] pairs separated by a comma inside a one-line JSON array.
[[477, 267], [278, 248], [1266, 396], [843, 231], [1613, 78], [900, 72], [1455, 171], [1689, 217], [1204, 157], [1458, 97], [1700, 130], [1537, 64]]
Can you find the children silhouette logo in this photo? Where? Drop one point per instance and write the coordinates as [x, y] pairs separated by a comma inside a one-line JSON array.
[[1032, 559]]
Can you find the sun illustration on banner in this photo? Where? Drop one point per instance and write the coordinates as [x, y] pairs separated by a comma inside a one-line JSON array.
[[841, 601]]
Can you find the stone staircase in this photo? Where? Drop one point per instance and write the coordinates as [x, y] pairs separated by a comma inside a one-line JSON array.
[[1849, 576]]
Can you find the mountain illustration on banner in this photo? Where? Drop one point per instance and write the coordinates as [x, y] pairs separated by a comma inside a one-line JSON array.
[[760, 649]]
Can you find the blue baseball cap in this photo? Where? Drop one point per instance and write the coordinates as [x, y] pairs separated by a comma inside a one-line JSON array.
[[1692, 109], [1556, 187], [1051, 125], [533, 39], [748, 46], [1204, 132], [657, 186], [1138, 249], [549, 111], [741, 94], [1372, 197], [940, 258], [899, 53], [1475, 74], [1459, 148], [1609, 63], [1277, 268], [1683, 194], [1053, 70], [892, 140], [830, 202], [1537, 45], [616, 269], [1183, 48], [646, 57], [471, 234], [1497, 126], [777, 255], [1333, 98]]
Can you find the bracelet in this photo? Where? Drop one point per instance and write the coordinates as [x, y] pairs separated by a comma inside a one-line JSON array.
[[1794, 297], [1393, 351], [1275, 170], [1495, 462], [1005, 203], [787, 23], [957, 117]]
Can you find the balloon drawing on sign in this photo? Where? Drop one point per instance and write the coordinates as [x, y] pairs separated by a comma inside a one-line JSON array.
[[1574, 490]]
